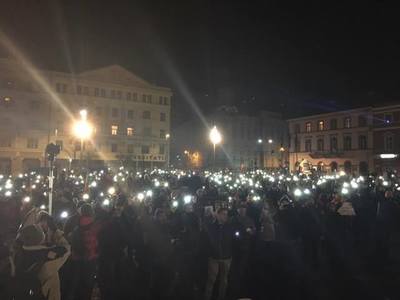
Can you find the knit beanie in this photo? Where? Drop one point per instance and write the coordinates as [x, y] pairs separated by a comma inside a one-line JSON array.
[[31, 235]]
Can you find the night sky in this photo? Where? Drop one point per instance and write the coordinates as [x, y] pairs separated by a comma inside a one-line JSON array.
[[294, 58]]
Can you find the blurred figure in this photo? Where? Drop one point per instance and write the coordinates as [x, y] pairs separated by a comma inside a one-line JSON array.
[[219, 238]]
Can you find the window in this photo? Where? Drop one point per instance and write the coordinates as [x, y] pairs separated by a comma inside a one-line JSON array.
[[114, 129], [129, 96], [162, 134], [103, 93], [347, 143], [320, 144], [362, 142], [86, 90], [388, 118], [333, 124], [146, 131], [146, 114], [308, 145], [347, 122], [129, 131], [334, 144], [149, 100], [162, 149], [134, 97], [320, 125], [308, 127], [119, 94], [7, 101], [60, 144], [160, 100], [144, 98], [114, 112], [32, 143], [297, 128], [114, 148], [145, 149], [130, 148], [165, 100], [362, 121], [162, 117], [96, 92], [79, 89], [130, 114], [388, 142]]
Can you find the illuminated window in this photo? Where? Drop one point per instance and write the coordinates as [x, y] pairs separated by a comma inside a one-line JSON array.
[[320, 125], [129, 131], [308, 127], [32, 143], [7, 99], [347, 122], [146, 114], [114, 130]]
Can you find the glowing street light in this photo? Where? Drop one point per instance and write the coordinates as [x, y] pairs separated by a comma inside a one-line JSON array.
[[270, 141], [259, 141], [82, 129], [215, 138]]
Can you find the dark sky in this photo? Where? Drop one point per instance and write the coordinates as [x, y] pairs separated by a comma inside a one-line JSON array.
[[291, 57]]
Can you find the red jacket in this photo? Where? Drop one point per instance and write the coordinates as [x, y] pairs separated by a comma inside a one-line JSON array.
[[88, 231]]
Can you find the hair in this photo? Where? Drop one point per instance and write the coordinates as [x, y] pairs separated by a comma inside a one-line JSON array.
[[221, 209]]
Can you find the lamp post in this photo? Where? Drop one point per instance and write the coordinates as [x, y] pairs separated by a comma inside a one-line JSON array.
[[215, 138], [260, 148], [167, 136], [82, 130]]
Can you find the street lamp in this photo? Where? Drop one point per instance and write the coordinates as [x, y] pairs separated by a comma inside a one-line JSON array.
[[215, 138], [167, 136], [82, 129], [259, 141], [270, 141], [260, 146]]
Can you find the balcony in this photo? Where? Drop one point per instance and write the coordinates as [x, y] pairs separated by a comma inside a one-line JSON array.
[[326, 154]]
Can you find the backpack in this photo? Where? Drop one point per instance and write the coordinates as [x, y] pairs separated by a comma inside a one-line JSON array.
[[28, 284]]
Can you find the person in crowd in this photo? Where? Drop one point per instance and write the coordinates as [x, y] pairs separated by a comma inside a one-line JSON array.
[[220, 236], [37, 265]]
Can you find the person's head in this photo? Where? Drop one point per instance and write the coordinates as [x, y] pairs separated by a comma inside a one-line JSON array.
[[86, 210], [222, 215], [46, 222], [388, 194], [242, 210], [31, 235]]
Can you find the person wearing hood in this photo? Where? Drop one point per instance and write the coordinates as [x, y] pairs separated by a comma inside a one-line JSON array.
[[41, 261]]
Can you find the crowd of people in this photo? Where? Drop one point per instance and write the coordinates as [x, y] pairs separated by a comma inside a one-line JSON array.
[[199, 235]]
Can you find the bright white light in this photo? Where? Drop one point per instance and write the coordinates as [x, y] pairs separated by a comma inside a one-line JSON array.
[[149, 193], [297, 192], [42, 207], [85, 197], [33, 186], [175, 203], [270, 141], [354, 184], [259, 141], [27, 199], [385, 183], [8, 185], [187, 199], [140, 196], [345, 191], [166, 184], [106, 202], [93, 184], [111, 190], [388, 156], [307, 191], [237, 233], [342, 173], [64, 215], [157, 183], [215, 136], [345, 184]]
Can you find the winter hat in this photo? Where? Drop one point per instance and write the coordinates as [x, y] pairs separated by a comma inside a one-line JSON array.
[[31, 235]]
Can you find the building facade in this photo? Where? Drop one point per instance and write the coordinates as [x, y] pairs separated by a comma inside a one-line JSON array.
[[386, 133], [131, 117], [333, 141], [248, 140]]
